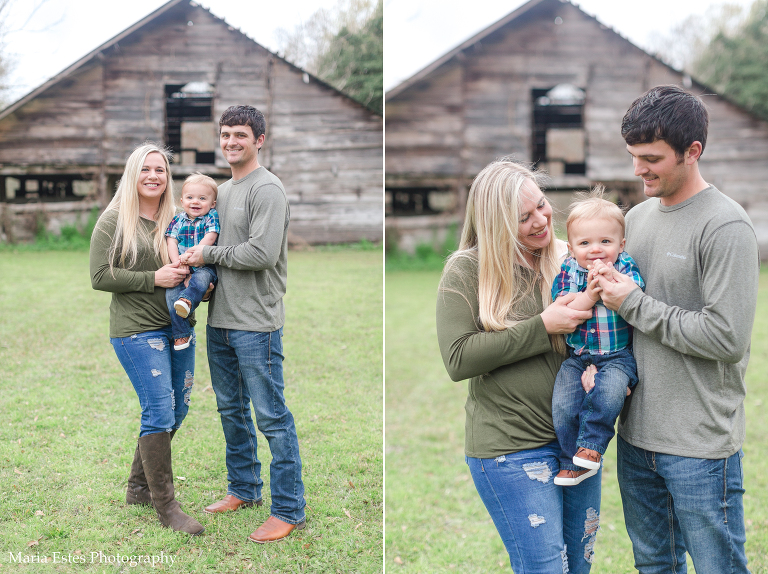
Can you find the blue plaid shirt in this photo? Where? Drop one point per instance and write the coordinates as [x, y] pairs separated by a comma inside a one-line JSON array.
[[606, 332], [189, 232]]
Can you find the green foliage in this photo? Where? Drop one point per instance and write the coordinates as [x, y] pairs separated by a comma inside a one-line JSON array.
[[354, 61], [364, 245], [71, 420], [734, 61], [343, 47], [71, 237], [435, 521], [425, 257]]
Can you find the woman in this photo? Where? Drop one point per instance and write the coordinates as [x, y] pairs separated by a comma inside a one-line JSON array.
[[498, 327], [130, 259]]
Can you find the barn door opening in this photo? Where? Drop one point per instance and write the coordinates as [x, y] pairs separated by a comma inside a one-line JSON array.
[[558, 130], [189, 127]]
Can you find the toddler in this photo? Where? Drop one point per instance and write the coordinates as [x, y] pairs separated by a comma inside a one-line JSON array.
[[584, 422], [197, 224]]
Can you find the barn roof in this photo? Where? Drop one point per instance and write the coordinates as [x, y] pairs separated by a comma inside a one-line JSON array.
[[98, 52], [514, 15]]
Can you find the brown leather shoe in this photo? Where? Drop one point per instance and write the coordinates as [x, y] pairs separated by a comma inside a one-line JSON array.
[[229, 503], [181, 344], [183, 307], [587, 458], [274, 529], [573, 477]]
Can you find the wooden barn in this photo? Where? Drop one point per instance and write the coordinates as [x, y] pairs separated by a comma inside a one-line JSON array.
[[167, 79], [547, 84]]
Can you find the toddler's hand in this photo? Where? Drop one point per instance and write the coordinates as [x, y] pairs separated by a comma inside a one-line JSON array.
[[593, 285], [606, 271]]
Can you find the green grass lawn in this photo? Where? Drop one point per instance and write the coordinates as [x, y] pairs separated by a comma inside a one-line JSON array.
[[70, 420], [435, 521]]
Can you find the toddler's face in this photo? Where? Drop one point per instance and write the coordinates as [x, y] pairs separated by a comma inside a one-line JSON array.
[[590, 239], [197, 199]]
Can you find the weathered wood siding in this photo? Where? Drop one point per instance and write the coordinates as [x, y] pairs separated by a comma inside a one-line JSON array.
[[329, 157], [478, 106], [327, 149], [61, 127]]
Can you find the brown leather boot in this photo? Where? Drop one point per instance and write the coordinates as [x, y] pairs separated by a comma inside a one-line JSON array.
[[156, 459], [275, 529], [138, 491]]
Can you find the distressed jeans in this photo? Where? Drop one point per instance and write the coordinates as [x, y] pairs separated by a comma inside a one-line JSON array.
[[199, 282], [162, 378], [546, 529], [673, 504], [587, 420], [247, 368]]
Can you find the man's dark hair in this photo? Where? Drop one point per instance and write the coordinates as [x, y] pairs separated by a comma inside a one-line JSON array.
[[244, 116], [666, 113]]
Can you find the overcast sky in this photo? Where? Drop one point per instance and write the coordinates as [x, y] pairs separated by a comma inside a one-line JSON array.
[[418, 32], [62, 31]]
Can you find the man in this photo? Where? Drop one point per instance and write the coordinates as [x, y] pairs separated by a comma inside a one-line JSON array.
[[244, 332], [681, 432]]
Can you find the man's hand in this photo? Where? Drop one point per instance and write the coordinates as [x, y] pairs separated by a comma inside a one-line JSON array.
[[193, 256], [615, 288]]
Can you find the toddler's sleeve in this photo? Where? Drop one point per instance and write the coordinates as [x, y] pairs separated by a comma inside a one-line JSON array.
[[212, 222], [563, 282], [173, 228]]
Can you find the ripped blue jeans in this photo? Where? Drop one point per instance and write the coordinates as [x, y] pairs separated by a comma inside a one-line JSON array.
[[546, 529], [162, 378]]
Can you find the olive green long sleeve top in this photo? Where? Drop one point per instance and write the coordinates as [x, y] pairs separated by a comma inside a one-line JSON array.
[[137, 304], [511, 373]]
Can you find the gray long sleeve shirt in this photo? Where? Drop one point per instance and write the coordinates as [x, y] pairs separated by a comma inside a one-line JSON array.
[[693, 325], [251, 254]]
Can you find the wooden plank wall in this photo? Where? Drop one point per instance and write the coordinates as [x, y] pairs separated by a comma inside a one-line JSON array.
[[329, 156], [61, 127], [326, 148], [487, 108]]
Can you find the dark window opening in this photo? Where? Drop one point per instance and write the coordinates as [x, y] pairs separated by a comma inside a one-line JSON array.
[[26, 188], [558, 129], [189, 122], [419, 201]]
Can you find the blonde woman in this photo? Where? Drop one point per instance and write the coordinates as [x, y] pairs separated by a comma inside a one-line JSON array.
[[129, 258], [498, 327]]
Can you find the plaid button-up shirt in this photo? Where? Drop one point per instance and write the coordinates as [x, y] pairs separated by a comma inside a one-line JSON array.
[[606, 331], [189, 232]]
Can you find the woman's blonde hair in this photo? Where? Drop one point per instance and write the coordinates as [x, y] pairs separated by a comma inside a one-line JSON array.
[[491, 237], [126, 202]]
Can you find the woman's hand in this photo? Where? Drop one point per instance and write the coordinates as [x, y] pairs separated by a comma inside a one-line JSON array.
[[559, 319], [171, 275], [588, 379]]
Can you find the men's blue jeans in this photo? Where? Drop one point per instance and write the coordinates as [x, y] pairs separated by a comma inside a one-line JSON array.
[[247, 368], [546, 529], [675, 503], [199, 282], [587, 419], [163, 378]]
